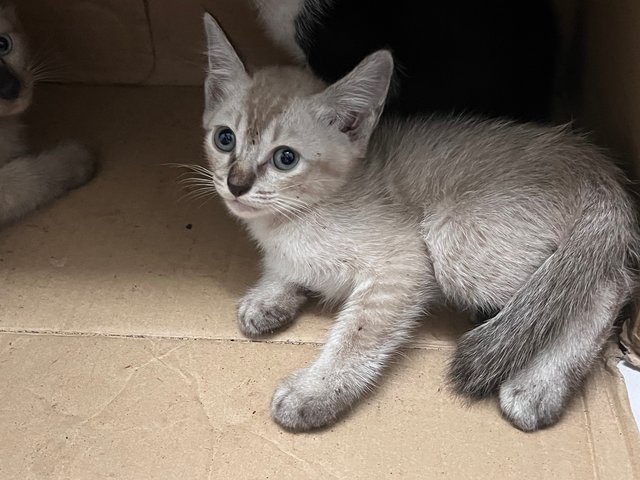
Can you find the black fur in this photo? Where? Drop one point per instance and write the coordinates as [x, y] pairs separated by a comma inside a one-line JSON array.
[[492, 57]]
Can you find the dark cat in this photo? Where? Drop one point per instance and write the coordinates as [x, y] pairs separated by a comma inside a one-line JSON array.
[[492, 57]]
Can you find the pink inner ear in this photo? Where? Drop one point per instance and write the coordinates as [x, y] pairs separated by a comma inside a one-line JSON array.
[[349, 124]]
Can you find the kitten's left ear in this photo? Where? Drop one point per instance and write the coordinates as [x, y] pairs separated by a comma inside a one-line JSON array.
[[356, 101], [226, 70]]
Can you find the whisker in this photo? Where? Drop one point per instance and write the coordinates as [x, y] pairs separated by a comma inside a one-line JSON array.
[[195, 181], [197, 195], [318, 181], [290, 210], [190, 166], [205, 201], [293, 201], [197, 188], [281, 211], [47, 65], [199, 192], [295, 204]]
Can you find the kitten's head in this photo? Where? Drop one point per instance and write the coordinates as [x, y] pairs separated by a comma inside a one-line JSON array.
[[16, 79], [279, 140]]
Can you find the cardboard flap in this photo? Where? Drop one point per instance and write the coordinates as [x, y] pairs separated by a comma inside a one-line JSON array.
[[630, 339]]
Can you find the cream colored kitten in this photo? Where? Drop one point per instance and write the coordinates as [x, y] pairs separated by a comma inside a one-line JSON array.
[[486, 215], [28, 180]]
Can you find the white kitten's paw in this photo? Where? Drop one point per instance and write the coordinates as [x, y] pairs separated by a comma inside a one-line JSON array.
[[530, 409], [303, 402], [76, 163], [259, 314]]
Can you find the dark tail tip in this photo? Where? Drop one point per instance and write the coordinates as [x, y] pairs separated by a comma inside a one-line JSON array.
[[470, 373]]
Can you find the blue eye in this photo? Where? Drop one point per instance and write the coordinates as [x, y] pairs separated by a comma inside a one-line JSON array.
[[285, 158], [6, 44], [225, 139]]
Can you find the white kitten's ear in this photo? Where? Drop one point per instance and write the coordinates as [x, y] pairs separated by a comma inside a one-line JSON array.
[[226, 71], [357, 100], [10, 13]]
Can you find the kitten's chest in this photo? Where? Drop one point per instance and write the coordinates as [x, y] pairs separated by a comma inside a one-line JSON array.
[[314, 255], [11, 139]]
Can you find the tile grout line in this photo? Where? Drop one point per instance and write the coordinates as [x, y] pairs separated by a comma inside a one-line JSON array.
[[73, 333]]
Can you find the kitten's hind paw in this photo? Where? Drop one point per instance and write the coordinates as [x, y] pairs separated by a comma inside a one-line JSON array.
[[531, 407]]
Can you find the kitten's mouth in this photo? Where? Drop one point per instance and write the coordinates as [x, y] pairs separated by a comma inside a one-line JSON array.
[[240, 208]]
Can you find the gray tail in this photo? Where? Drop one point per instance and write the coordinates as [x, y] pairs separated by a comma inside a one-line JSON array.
[[601, 250]]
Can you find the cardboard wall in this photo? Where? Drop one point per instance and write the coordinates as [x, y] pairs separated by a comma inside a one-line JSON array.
[[160, 42], [611, 76], [157, 42], [94, 41], [610, 104]]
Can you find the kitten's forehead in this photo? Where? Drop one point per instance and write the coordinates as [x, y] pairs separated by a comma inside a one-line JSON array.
[[262, 105], [272, 92]]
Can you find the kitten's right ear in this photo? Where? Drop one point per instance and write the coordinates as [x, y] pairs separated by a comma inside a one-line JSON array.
[[226, 71]]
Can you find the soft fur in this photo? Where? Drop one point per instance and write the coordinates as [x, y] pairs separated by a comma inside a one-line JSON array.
[[29, 180], [386, 222], [493, 57]]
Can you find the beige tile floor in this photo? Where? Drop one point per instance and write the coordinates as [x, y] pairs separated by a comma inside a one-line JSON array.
[[119, 355]]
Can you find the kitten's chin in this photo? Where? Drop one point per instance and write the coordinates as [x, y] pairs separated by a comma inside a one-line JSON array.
[[243, 211]]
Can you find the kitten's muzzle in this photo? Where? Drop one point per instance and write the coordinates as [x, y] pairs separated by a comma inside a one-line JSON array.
[[240, 181], [9, 84]]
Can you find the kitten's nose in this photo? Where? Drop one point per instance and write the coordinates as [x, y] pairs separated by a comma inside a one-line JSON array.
[[9, 84], [238, 189], [239, 182]]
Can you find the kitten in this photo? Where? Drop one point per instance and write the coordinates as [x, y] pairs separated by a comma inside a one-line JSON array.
[[495, 57], [28, 180], [387, 222]]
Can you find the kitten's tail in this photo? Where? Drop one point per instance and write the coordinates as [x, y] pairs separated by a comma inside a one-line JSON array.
[[600, 253]]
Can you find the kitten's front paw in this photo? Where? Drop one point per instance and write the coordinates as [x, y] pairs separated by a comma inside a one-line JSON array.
[[258, 316], [77, 164], [303, 402]]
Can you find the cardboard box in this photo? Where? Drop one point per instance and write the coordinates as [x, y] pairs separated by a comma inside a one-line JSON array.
[[611, 98], [118, 346], [92, 41]]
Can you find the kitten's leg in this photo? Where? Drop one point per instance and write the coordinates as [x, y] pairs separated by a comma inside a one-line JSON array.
[[269, 306], [535, 397], [29, 181], [375, 322]]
